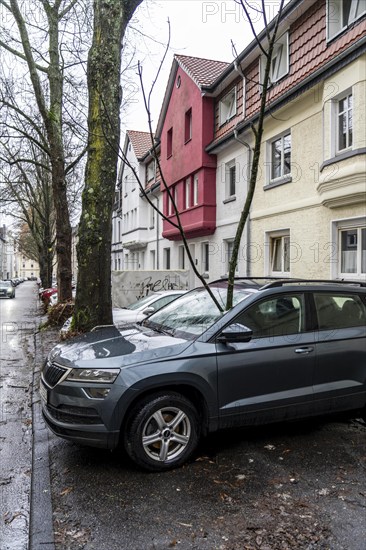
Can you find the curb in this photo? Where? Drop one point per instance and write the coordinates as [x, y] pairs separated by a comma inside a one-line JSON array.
[[41, 533]]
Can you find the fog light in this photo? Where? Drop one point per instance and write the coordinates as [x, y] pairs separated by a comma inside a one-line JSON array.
[[97, 393]]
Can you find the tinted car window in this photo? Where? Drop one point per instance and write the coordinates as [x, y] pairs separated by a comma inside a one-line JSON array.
[[339, 311], [277, 316]]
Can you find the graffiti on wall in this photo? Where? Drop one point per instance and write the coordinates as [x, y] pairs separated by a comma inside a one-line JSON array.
[[129, 286]]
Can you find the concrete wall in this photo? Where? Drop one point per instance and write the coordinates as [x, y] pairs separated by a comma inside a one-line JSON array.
[[129, 286]]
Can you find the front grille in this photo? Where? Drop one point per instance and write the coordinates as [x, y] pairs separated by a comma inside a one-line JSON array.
[[53, 373], [74, 415]]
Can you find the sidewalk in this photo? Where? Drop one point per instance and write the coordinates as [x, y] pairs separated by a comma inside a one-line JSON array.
[[41, 522]]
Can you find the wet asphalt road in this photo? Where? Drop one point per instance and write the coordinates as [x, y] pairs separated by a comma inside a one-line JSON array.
[[17, 320], [298, 486]]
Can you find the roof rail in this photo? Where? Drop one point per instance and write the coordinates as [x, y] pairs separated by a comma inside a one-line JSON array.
[[253, 278], [282, 282]]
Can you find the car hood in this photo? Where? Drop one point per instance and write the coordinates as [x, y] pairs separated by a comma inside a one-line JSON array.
[[116, 348]]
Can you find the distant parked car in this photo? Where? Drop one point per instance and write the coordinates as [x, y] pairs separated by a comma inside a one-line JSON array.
[[139, 310], [287, 350], [7, 289], [53, 299]]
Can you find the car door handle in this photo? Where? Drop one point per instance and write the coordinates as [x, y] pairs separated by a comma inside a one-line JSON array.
[[304, 350]]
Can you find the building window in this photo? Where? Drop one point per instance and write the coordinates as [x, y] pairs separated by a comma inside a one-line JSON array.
[[205, 257], [280, 157], [341, 13], [170, 200], [195, 189], [169, 143], [166, 255], [152, 259], [230, 179], [152, 217], [280, 61], [187, 193], [352, 253], [344, 123], [150, 171], [181, 257], [227, 106], [188, 126], [229, 252], [280, 254]]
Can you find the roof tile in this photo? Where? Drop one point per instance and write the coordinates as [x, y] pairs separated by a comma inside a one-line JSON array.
[[203, 71], [141, 142]]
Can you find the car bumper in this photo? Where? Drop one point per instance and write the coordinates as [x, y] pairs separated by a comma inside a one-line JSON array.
[[95, 435]]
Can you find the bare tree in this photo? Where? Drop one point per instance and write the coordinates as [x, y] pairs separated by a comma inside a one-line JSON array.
[[43, 58], [26, 191], [266, 47]]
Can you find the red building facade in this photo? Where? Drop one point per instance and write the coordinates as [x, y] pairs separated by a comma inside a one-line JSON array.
[[185, 128]]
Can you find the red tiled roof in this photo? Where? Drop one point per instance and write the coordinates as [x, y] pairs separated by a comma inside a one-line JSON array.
[[204, 72], [141, 142]]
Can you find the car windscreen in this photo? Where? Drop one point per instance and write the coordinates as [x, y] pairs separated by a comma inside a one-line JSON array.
[[5, 284], [142, 302], [193, 313]]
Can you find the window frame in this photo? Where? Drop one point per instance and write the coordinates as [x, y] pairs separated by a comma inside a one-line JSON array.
[[337, 122], [360, 232], [206, 257], [282, 47], [228, 106], [195, 190], [167, 257], [284, 176], [271, 248], [188, 125], [169, 143], [334, 9], [187, 193], [181, 257], [150, 171], [230, 184]]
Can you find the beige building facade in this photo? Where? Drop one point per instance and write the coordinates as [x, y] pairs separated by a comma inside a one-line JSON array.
[[313, 224]]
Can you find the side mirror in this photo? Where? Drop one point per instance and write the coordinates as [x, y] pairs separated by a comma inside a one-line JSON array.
[[149, 310], [235, 333]]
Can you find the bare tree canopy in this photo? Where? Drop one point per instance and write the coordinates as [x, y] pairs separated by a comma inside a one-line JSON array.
[[43, 48]]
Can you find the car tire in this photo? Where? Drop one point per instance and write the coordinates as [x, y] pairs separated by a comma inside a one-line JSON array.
[[162, 431]]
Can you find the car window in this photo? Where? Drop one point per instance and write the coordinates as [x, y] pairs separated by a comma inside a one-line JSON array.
[[141, 303], [276, 316], [157, 304], [339, 311]]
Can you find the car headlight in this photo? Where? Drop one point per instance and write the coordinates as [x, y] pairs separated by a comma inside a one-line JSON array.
[[105, 376]]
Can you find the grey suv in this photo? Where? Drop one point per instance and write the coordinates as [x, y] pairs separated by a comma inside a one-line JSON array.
[[286, 350]]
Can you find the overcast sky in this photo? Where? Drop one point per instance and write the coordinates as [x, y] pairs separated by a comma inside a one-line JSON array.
[[200, 28]]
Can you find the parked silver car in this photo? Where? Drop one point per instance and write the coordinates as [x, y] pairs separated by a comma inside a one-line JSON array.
[[7, 290], [139, 310]]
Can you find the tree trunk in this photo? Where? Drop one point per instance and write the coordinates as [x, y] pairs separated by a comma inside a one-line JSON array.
[[93, 304]]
